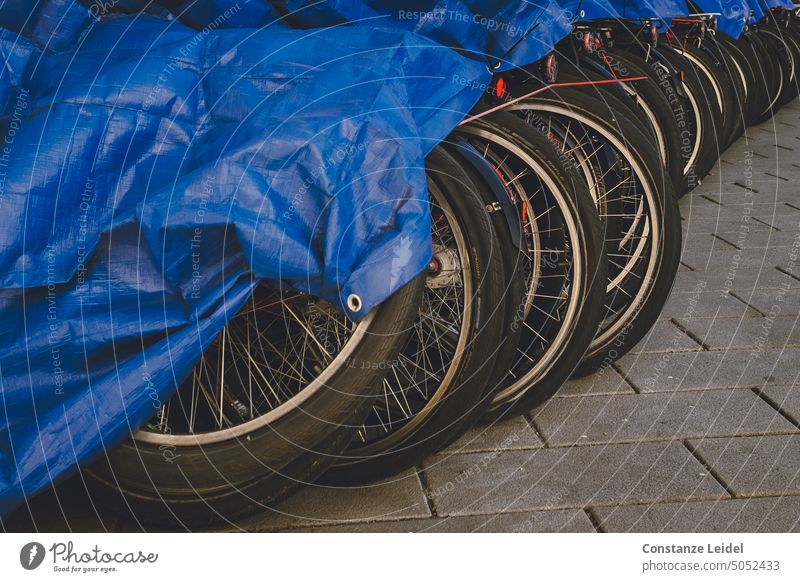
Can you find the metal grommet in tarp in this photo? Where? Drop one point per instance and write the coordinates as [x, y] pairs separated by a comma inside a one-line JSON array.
[[354, 303]]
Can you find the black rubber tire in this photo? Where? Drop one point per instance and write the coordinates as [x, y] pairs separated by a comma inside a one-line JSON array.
[[666, 255], [767, 70], [714, 68], [735, 75], [793, 41], [513, 268], [745, 57], [450, 415], [589, 244], [793, 36], [227, 480], [787, 56], [709, 114], [780, 60], [583, 72], [617, 99], [666, 110]]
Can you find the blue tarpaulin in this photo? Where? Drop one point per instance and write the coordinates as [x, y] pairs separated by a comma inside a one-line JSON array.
[[665, 9], [586, 10], [155, 166], [757, 10]]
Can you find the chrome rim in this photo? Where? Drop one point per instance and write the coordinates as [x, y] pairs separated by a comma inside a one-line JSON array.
[[653, 119], [554, 275], [275, 353], [429, 363], [698, 130], [633, 223], [701, 66]]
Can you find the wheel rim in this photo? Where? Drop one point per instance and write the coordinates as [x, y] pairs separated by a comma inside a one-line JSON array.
[[644, 220], [275, 353], [429, 363], [654, 123], [555, 277], [698, 130], [714, 85]]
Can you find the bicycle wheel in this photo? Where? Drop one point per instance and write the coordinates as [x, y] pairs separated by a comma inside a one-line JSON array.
[[440, 376], [705, 113], [565, 276], [664, 110], [280, 391], [734, 73], [786, 51], [768, 70], [723, 91], [638, 206], [746, 65]]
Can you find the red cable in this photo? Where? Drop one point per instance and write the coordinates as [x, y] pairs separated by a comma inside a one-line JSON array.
[[545, 88], [603, 54]]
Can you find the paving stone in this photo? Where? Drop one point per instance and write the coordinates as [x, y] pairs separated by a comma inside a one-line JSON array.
[[760, 193], [735, 260], [710, 210], [779, 214], [784, 173], [720, 175], [726, 333], [787, 398], [746, 280], [756, 153], [706, 226], [558, 520], [767, 190], [697, 199], [657, 416], [567, 477], [760, 239], [759, 168], [757, 515], [736, 175], [702, 241], [684, 307], [754, 466], [730, 199], [741, 281], [606, 380], [665, 336], [714, 369], [401, 497], [786, 219], [515, 433], [766, 300], [725, 214]]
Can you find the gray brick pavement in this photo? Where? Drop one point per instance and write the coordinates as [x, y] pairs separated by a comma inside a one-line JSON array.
[[564, 477], [657, 416], [755, 465], [764, 514]]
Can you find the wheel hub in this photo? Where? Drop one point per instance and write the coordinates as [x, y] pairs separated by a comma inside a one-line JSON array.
[[444, 269]]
